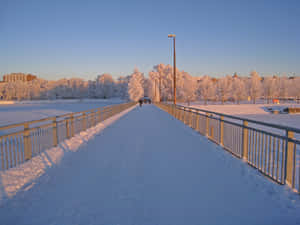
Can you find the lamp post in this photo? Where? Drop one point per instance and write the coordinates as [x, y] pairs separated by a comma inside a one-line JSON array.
[[174, 67]]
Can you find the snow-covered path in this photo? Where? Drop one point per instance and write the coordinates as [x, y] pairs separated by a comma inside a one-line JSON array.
[[150, 169]]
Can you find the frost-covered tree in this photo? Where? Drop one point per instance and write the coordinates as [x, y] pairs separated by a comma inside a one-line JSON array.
[[224, 88], [269, 88], [122, 87], [165, 81], [238, 89], [283, 87], [206, 88], [105, 86], [136, 86], [255, 86], [154, 92], [188, 88]]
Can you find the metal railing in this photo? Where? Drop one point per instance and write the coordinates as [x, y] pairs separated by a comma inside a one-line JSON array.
[[272, 149], [20, 142]]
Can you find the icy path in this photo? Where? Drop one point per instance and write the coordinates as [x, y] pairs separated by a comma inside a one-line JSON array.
[[150, 169]]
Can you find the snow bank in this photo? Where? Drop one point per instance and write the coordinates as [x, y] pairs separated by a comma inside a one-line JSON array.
[[23, 176]]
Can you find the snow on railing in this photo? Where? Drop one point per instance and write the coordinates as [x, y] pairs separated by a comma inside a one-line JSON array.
[[20, 142], [272, 149]]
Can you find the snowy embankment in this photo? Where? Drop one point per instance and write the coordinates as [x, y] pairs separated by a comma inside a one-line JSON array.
[[149, 168], [23, 177], [258, 112], [34, 110]]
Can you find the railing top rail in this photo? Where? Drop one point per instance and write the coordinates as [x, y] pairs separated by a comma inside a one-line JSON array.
[[27, 122], [287, 128]]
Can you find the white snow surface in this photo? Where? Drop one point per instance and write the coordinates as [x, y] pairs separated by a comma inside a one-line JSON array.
[[145, 169], [22, 111], [256, 112]]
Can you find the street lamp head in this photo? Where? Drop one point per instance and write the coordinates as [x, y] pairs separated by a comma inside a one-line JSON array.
[[171, 35]]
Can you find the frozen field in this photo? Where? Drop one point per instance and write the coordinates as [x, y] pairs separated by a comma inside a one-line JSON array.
[[34, 110], [257, 112]]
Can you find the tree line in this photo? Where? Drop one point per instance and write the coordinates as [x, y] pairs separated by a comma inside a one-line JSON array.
[[158, 86]]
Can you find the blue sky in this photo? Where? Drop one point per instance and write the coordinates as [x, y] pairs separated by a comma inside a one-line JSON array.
[[65, 38]]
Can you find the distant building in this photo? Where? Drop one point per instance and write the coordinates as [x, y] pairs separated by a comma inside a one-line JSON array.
[[13, 77]]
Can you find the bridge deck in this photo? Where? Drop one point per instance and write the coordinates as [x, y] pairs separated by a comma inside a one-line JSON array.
[[149, 168]]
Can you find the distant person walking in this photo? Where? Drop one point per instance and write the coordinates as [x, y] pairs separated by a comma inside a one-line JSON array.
[[141, 102]]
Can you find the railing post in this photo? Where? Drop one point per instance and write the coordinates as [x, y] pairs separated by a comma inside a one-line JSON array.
[[68, 128], [211, 133], [221, 131], [190, 118], [93, 118], [207, 124], [173, 109], [83, 121], [54, 127], [197, 122], [99, 115], [27, 142], [290, 158], [245, 140], [186, 115], [72, 125]]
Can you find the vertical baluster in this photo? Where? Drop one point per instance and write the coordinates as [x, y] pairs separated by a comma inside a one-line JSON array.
[[27, 142], [294, 167], [10, 152], [22, 148], [254, 143], [6, 153], [260, 151], [283, 160], [273, 157], [269, 155], [278, 157], [18, 149], [255, 149], [250, 145], [33, 142], [265, 153], [2, 153], [298, 177], [39, 133], [14, 150]]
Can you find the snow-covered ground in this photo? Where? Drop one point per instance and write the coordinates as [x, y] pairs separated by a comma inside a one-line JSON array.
[[146, 168], [258, 112], [34, 110]]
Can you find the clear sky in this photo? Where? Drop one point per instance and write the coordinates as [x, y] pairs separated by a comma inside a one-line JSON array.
[[83, 38]]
